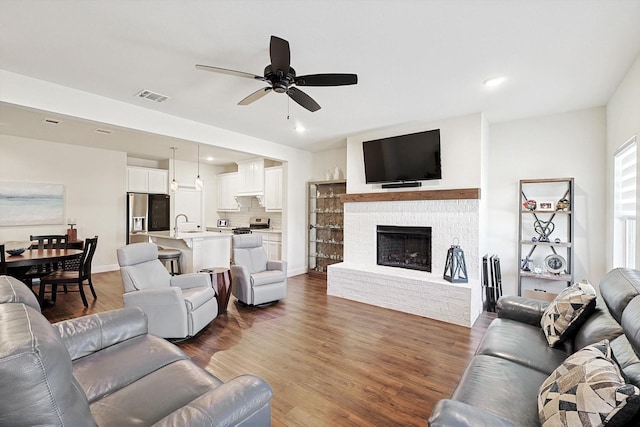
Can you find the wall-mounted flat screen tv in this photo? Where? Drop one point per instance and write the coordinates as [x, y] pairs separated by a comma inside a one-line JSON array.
[[412, 157]]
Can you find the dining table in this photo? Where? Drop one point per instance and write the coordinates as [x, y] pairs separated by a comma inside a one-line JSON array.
[[19, 265]]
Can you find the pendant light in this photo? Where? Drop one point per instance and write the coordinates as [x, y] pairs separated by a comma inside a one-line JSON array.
[[174, 184], [199, 184]]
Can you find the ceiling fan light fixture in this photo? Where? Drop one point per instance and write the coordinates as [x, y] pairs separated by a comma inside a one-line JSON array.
[[494, 81], [282, 78], [198, 183], [173, 188]]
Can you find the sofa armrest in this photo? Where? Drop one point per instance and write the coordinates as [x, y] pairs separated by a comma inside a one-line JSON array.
[[277, 265], [451, 413], [521, 309], [230, 404], [88, 334], [191, 280]]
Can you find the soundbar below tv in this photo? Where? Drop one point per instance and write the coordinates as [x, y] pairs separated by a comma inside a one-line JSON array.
[[404, 158]]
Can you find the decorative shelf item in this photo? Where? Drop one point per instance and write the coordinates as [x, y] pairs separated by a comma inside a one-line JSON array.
[[325, 225], [545, 235]]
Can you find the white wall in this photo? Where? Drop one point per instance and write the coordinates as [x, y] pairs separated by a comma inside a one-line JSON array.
[[95, 186], [557, 146], [326, 161], [42, 95], [461, 152], [623, 122]]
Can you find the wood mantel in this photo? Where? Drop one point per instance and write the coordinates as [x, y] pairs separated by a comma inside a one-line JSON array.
[[401, 196]]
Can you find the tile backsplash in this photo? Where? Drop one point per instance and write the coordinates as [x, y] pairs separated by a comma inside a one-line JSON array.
[[241, 218]]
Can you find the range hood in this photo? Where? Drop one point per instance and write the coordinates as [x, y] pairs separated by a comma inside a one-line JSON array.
[[244, 200]]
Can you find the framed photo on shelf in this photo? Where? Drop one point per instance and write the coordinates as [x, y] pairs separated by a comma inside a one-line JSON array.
[[546, 205]]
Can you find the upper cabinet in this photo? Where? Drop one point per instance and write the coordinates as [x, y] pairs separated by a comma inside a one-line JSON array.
[[251, 177], [147, 180], [273, 189], [227, 190]]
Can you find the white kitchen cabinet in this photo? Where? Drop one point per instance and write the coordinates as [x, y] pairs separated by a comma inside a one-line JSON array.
[[158, 181], [273, 189], [147, 180], [251, 177], [188, 201], [227, 190]]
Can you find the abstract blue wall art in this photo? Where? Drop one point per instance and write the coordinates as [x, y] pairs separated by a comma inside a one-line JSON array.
[[25, 203]]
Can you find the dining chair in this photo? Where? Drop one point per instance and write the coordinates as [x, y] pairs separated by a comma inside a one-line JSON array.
[[3, 261], [73, 277], [50, 241]]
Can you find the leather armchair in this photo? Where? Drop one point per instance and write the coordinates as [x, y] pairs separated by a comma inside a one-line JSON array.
[[176, 306], [255, 279]]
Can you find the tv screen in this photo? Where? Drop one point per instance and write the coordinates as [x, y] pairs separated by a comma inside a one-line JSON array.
[[412, 157]]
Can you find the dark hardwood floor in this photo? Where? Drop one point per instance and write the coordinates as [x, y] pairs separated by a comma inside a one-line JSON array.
[[330, 361]]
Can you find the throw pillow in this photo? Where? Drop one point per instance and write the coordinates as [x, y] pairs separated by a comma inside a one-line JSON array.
[[567, 312], [587, 389]]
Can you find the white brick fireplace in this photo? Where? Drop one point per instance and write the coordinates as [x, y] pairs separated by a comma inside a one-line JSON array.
[[426, 294]]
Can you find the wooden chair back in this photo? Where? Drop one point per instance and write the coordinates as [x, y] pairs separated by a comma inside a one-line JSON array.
[[84, 267], [3, 261], [51, 241]]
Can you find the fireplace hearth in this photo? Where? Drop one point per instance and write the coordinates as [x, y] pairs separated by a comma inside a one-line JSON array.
[[404, 247]]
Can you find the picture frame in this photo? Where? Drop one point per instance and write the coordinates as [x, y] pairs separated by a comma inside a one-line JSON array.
[[546, 206], [27, 203]]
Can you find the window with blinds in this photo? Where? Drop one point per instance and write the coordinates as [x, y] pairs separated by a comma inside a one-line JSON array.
[[625, 179]]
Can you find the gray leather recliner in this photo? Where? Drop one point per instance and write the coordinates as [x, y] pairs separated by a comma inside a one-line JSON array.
[[255, 279], [177, 306], [106, 369]]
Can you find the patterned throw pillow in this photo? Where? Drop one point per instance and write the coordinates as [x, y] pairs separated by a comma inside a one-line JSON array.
[[587, 389], [567, 312]]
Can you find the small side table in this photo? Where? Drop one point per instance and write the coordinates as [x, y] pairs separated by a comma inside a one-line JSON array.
[[221, 282]]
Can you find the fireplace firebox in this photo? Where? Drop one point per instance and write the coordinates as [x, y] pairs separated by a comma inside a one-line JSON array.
[[405, 247]]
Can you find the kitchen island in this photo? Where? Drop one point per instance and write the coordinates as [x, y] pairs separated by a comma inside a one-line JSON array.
[[200, 249]]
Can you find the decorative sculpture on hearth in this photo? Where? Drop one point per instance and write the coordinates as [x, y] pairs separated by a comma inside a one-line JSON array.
[[455, 267]]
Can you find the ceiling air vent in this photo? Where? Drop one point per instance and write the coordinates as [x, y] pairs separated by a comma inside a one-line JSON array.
[[51, 121], [152, 96], [103, 131]]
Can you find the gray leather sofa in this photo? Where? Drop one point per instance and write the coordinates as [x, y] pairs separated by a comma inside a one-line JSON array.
[[500, 385], [106, 370]]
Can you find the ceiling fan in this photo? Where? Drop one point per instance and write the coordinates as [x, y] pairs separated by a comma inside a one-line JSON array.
[[282, 77]]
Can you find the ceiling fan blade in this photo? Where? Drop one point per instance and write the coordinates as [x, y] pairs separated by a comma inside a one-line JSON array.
[[303, 99], [327, 80], [280, 55], [229, 72], [255, 96]]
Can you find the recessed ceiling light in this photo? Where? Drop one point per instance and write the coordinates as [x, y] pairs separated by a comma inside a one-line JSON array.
[[300, 129], [494, 81], [103, 131], [210, 159]]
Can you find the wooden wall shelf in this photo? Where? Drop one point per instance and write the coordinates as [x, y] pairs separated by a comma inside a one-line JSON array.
[[400, 196]]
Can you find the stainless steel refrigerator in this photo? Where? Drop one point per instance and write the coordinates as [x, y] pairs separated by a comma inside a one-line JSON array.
[[145, 213]]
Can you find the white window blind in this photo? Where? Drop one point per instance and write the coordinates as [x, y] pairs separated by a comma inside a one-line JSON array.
[[625, 178]]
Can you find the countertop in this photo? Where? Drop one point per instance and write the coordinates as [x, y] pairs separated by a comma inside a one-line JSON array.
[[229, 230], [188, 235]]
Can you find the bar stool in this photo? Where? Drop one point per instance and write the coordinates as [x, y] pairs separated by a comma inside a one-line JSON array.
[[172, 255]]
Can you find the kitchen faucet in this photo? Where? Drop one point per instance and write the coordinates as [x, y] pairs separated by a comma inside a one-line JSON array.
[[175, 228]]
